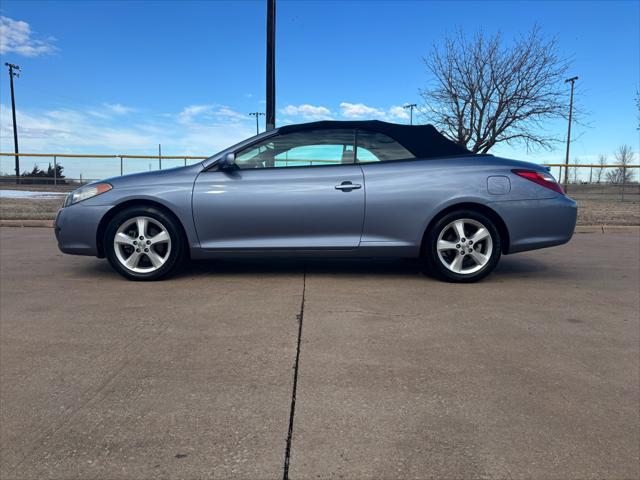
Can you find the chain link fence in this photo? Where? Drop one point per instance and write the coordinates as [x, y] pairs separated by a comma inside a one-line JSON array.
[[592, 182], [60, 169], [606, 194], [599, 182]]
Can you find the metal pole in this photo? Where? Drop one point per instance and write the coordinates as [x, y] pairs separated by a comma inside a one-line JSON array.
[[159, 157], [13, 113], [624, 178], [185, 162], [55, 171], [571, 80], [271, 69], [121, 165], [256, 114], [410, 106]]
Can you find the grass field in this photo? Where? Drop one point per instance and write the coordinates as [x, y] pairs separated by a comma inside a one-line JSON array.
[[593, 208], [29, 209]]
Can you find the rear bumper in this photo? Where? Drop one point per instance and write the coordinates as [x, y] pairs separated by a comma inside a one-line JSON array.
[[534, 224], [76, 228]]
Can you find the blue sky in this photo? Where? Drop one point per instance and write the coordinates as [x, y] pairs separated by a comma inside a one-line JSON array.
[[121, 77]]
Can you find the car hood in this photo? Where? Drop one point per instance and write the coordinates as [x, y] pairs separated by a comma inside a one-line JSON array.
[[156, 176]]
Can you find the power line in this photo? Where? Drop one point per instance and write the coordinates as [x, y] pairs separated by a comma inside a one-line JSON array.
[[12, 74], [257, 114]]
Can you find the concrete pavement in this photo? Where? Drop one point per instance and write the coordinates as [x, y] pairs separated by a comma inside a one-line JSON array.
[[533, 373]]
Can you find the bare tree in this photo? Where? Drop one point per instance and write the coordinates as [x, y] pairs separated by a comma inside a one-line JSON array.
[[485, 92], [602, 161], [573, 170], [624, 156]]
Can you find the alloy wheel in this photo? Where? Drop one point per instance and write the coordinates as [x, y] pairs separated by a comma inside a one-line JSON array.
[[464, 246], [142, 244]]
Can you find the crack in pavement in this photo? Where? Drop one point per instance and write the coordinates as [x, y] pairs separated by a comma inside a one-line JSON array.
[[292, 411]]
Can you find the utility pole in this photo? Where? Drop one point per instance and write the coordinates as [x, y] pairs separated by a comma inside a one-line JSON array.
[[410, 106], [257, 114], [271, 64], [12, 74], [159, 157], [571, 80]]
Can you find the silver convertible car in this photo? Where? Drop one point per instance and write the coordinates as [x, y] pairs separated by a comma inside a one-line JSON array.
[[358, 188]]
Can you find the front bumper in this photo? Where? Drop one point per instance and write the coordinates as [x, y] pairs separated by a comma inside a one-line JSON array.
[[76, 228], [534, 224]]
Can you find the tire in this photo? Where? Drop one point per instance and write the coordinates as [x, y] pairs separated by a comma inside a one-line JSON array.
[[463, 256], [158, 254]]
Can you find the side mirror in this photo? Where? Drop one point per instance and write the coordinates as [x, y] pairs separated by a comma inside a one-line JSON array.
[[228, 161]]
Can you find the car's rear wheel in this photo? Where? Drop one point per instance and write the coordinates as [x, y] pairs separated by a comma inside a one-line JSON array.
[[463, 246], [144, 243]]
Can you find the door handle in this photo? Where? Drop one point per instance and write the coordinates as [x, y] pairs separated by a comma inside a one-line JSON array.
[[348, 186]]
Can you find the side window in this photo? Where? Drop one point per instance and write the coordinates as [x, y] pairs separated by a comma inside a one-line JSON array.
[[300, 149], [378, 147]]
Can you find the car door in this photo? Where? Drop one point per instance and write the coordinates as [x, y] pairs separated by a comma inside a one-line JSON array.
[[296, 191], [400, 192]]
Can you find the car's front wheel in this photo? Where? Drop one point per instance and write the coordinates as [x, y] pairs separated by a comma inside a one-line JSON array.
[[144, 243], [463, 246]]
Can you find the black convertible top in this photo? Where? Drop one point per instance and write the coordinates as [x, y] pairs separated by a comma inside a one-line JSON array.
[[424, 141]]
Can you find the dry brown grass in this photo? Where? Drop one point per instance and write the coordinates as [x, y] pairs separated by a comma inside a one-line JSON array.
[[594, 212], [602, 205], [32, 208], [29, 209]]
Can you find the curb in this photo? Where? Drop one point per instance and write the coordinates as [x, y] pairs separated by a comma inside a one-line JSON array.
[[608, 229], [26, 223]]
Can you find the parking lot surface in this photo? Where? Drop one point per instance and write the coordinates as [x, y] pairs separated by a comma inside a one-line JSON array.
[[532, 373]]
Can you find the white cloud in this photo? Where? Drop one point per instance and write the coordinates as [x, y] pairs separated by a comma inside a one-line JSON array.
[[16, 37], [98, 114], [65, 131], [399, 113], [72, 130], [118, 108], [210, 112], [192, 111], [227, 113], [395, 113], [360, 110], [289, 110], [80, 131], [306, 111]]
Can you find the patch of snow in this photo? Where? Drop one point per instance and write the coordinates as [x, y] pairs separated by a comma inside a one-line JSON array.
[[30, 194]]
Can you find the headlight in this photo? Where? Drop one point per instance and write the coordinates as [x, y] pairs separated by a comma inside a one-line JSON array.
[[86, 192]]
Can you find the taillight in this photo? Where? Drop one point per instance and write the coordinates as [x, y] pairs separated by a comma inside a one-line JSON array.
[[541, 178]]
